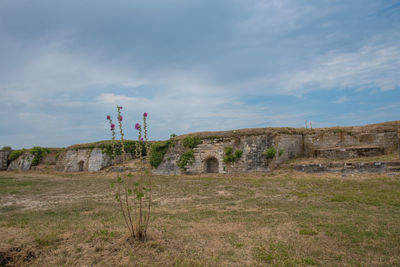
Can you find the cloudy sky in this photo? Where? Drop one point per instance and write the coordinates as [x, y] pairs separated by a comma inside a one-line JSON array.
[[193, 66]]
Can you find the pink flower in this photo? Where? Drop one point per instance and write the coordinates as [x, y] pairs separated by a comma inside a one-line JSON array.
[[120, 118], [108, 117], [112, 126], [119, 107], [141, 139], [145, 114], [137, 126]]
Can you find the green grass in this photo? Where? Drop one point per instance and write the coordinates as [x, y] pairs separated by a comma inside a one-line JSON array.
[[280, 219]]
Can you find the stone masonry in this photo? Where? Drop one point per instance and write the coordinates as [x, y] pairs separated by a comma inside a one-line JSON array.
[[334, 143], [76, 160], [337, 142], [4, 159], [22, 163]]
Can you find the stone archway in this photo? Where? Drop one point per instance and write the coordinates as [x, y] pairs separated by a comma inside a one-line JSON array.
[[211, 165], [80, 166]]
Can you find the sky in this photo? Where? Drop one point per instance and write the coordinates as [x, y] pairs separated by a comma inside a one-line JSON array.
[[205, 65]]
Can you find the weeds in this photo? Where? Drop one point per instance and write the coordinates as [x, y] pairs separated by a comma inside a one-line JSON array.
[[230, 156], [136, 214], [270, 153]]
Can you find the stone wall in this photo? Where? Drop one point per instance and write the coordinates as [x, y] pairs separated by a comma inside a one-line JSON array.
[[22, 163], [369, 140], [289, 142], [386, 139], [50, 158], [350, 152], [290, 146], [252, 158], [4, 159], [169, 164], [76, 160]]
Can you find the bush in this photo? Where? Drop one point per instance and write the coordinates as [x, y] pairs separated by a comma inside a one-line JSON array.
[[15, 154], [7, 148], [191, 142], [238, 154], [230, 156], [270, 153], [38, 153], [186, 159], [158, 151]]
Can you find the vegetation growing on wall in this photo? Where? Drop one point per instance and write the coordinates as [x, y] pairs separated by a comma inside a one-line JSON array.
[[38, 153], [231, 156], [15, 154], [191, 142], [186, 159], [59, 153], [270, 153], [158, 151]]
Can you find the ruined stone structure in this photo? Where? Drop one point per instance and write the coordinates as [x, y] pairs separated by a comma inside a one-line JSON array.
[[22, 163], [210, 157], [4, 159], [75, 160], [333, 143]]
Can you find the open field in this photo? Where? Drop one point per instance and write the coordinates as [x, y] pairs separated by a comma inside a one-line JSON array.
[[283, 219]]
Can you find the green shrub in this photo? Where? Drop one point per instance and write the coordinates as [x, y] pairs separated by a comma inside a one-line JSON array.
[[191, 142], [238, 154], [186, 158], [38, 153], [281, 151], [172, 136], [15, 154], [270, 153], [157, 153], [230, 156], [7, 148]]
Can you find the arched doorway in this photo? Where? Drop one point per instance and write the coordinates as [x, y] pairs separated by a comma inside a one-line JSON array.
[[80, 166], [211, 165]]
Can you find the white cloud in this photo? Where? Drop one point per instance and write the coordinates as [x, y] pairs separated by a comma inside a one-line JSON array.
[[342, 100], [51, 68], [372, 66]]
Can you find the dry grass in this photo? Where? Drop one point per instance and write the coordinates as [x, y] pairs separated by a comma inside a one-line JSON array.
[[378, 128], [282, 218]]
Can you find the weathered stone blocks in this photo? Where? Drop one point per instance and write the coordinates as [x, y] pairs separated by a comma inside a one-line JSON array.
[[4, 159], [350, 152], [83, 160], [22, 163]]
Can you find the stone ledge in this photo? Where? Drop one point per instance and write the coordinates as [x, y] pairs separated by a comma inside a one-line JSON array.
[[363, 167]]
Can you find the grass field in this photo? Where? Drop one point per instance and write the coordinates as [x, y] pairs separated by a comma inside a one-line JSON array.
[[280, 219]]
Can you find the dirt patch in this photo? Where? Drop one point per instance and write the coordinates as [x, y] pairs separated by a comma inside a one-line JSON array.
[[16, 248], [17, 256]]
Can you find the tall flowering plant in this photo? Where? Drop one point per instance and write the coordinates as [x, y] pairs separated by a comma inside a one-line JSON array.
[[133, 197]]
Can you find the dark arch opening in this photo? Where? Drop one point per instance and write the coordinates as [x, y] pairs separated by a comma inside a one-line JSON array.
[[211, 165], [80, 166]]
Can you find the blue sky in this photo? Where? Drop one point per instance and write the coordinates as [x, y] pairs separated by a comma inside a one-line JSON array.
[[193, 66]]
